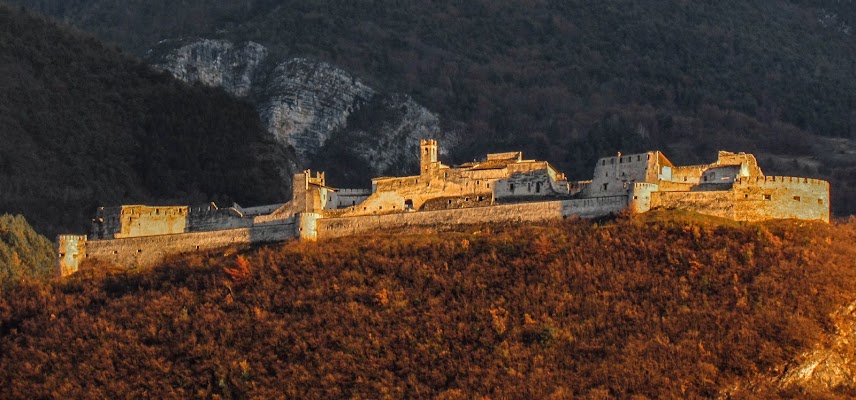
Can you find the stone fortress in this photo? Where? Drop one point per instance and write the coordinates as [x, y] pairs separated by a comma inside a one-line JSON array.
[[502, 187]]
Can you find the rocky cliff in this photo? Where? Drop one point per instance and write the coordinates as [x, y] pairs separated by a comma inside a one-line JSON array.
[[212, 62], [310, 104]]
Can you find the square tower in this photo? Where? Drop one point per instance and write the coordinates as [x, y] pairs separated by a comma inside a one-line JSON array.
[[427, 156]]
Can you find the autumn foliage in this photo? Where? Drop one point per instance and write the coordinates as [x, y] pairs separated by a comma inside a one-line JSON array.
[[651, 307]]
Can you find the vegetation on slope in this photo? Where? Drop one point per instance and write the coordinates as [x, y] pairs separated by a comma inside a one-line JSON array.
[[566, 81], [24, 254], [646, 308], [85, 126]]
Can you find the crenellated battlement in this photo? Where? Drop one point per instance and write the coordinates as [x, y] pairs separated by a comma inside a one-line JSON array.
[[761, 180]]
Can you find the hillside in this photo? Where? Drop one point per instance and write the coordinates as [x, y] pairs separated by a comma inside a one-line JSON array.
[[659, 306], [85, 126], [24, 254], [564, 81]]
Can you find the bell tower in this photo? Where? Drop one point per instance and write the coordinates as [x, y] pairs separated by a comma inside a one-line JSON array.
[[428, 156]]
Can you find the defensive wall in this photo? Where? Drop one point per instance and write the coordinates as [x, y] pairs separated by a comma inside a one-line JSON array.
[[755, 199], [503, 187], [147, 251], [519, 212]]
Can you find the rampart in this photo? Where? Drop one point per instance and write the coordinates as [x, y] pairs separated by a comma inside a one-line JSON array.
[[501, 188], [755, 199], [519, 212], [147, 251]]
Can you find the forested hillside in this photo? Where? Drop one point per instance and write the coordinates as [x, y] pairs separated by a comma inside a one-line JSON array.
[[82, 125], [24, 254], [652, 307], [567, 81]]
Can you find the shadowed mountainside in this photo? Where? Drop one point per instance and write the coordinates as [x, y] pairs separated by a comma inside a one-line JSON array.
[[24, 254], [659, 306], [565, 81], [84, 126]]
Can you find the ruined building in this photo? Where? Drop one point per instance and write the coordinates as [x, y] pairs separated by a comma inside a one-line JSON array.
[[501, 187]]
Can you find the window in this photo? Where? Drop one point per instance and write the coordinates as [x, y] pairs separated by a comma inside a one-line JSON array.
[[450, 201], [638, 158], [797, 198], [768, 197], [605, 185], [602, 162], [511, 187], [481, 198], [537, 187], [487, 185], [466, 199], [620, 160], [820, 201]]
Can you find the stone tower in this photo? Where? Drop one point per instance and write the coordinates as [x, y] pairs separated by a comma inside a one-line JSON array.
[[428, 156]]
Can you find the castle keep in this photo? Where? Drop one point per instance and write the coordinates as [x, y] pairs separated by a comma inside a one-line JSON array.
[[501, 187]]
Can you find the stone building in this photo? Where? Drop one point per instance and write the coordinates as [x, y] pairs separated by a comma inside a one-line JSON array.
[[501, 187]]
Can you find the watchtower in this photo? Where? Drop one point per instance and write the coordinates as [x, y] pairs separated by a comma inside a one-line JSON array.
[[428, 156]]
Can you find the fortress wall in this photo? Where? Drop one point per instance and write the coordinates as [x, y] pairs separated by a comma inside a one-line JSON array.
[[210, 218], [728, 158], [611, 173], [444, 203], [343, 198], [670, 186], [147, 251], [755, 199], [641, 192], [688, 173], [71, 249], [765, 197], [526, 184], [283, 212], [137, 220], [260, 210], [520, 212], [718, 203]]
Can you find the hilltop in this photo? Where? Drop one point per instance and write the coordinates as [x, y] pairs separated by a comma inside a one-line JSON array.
[[85, 125], [664, 305]]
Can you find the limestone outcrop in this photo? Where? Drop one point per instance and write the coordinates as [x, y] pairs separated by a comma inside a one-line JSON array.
[[212, 62], [307, 103]]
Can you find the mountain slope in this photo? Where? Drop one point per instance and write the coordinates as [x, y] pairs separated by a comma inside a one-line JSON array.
[[661, 306], [317, 108], [564, 81], [24, 254], [85, 126]]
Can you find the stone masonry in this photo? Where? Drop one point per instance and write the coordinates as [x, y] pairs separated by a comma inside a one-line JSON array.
[[501, 187]]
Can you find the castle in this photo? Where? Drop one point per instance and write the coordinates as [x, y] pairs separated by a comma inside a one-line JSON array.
[[501, 187]]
